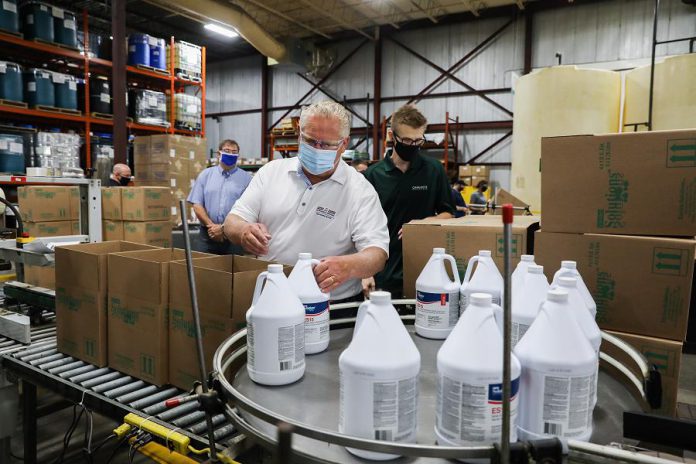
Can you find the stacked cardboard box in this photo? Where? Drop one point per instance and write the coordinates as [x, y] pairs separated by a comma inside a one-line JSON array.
[[137, 214], [171, 161], [472, 175], [601, 209]]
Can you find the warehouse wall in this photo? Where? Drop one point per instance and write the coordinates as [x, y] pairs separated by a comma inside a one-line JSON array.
[[612, 34]]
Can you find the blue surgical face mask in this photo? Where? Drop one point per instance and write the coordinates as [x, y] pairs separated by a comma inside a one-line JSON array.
[[314, 160], [228, 159]]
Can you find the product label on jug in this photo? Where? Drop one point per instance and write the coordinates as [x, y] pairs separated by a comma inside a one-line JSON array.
[[473, 413], [567, 405], [395, 405], [250, 345], [291, 347], [316, 322], [518, 331], [437, 310]]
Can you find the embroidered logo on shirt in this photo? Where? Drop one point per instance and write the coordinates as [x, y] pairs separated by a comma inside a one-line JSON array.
[[419, 187], [325, 212]]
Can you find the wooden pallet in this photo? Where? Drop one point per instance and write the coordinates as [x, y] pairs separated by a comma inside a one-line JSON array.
[[16, 104], [53, 109], [56, 44], [189, 77], [289, 133], [102, 116], [163, 72]]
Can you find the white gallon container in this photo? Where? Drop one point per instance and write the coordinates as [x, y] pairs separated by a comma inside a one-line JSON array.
[[315, 302], [485, 279], [526, 304], [570, 269], [379, 379], [275, 331], [520, 272], [470, 380], [437, 297], [558, 374]]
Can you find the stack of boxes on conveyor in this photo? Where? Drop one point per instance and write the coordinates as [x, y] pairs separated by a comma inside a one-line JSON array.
[[128, 306], [602, 209], [172, 161], [137, 214]]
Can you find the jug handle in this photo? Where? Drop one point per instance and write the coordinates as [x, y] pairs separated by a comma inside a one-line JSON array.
[[259, 284], [455, 272], [470, 268], [315, 262]]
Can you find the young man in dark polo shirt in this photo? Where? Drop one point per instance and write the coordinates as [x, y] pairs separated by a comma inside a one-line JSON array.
[[410, 186]]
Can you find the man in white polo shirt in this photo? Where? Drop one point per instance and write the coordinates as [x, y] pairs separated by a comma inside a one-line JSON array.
[[315, 203]]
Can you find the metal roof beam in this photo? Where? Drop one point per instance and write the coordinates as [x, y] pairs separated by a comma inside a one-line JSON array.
[[329, 14], [273, 11]]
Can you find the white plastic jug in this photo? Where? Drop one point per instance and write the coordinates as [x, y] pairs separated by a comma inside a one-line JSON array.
[[379, 379], [520, 272], [437, 297], [527, 302], [570, 269], [470, 380], [275, 331], [316, 304], [558, 374], [485, 279]]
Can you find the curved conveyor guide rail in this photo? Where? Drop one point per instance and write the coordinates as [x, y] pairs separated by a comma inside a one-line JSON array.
[[231, 354]]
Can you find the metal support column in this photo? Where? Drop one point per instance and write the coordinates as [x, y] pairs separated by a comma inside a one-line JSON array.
[[528, 38], [652, 65], [264, 105], [118, 79], [377, 92], [91, 210], [29, 421]]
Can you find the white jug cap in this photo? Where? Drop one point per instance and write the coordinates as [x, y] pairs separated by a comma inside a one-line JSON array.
[[380, 297], [535, 269], [305, 255], [483, 299], [569, 264], [485, 253], [557, 295], [569, 282], [438, 251], [527, 258], [275, 268]]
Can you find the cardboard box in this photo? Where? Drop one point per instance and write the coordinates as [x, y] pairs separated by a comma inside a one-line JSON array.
[[606, 183], [466, 171], [225, 286], [462, 238], [81, 298], [480, 171], [49, 203], [141, 148], [40, 276], [52, 228], [111, 203], [156, 233], [145, 203], [503, 197], [641, 285], [665, 354], [138, 328], [165, 147], [112, 230], [476, 179]]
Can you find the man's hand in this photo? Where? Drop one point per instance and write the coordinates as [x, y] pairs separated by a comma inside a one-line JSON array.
[[215, 232], [368, 286], [333, 271], [255, 239]]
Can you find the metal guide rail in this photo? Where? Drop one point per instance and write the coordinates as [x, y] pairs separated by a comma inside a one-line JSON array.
[[102, 390]]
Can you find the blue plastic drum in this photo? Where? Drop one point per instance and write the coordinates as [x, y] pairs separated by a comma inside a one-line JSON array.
[[158, 53], [9, 19], [11, 81], [66, 91], [65, 27], [139, 49], [37, 21], [12, 153], [39, 87]]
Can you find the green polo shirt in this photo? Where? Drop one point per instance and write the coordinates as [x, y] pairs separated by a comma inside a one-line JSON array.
[[422, 191]]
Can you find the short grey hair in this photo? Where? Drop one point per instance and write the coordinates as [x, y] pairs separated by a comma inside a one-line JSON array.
[[327, 109]]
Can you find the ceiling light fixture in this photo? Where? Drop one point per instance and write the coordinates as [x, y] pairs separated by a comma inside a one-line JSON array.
[[221, 30]]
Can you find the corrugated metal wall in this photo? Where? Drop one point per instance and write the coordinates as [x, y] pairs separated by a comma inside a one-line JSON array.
[[601, 32]]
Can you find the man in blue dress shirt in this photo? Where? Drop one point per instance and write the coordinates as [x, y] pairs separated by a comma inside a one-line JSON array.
[[215, 192]]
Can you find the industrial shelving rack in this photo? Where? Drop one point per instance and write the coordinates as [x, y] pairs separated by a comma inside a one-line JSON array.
[[72, 60]]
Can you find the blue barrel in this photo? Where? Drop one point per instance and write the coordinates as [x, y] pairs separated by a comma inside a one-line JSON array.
[[11, 81], [139, 49], [9, 19], [37, 21], [12, 153], [39, 87], [65, 27], [66, 90], [158, 53]]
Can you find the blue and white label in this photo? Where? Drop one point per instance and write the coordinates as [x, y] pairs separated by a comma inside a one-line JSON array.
[[437, 310], [316, 322]]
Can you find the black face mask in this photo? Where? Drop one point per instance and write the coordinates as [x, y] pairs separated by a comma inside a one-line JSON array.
[[406, 152], [124, 181]]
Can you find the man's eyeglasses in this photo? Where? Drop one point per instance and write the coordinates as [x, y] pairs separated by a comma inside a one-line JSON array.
[[227, 151], [321, 144], [408, 141]]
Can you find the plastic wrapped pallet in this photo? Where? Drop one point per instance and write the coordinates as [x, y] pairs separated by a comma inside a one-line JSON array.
[[59, 153], [187, 112], [103, 156], [187, 60], [147, 107]]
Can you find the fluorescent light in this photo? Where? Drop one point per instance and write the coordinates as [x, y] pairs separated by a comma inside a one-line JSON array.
[[221, 30]]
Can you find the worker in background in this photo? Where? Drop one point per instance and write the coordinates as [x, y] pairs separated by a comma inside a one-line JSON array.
[[214, 194], [478, 203], [120, 176], [318, 204], [457, 198], [360, 166], [410, 186]]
